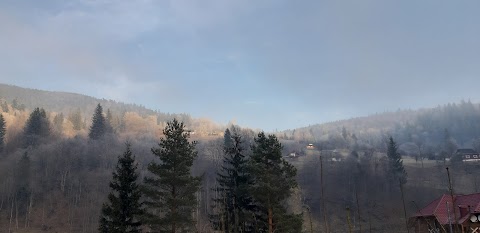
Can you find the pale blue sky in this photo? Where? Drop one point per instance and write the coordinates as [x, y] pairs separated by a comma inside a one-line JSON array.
[[270, 64]]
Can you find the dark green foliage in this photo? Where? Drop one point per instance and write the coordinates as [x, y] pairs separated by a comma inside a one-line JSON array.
[[171, 189], [99, 124], [37, 127], [3, 130], [396, 171], [233, 205], [123, 211], [273, 181]]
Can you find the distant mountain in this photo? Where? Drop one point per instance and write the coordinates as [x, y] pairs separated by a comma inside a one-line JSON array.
[[455, 124], [64, 101], [67, 103]]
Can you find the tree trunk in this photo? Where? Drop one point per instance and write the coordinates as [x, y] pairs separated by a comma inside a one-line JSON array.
[[235, 228], [16, 214], [358, 211], [270, 220], [11, 217], [174, 228]]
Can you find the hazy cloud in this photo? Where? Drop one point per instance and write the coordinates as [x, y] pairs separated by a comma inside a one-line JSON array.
[[270, 64]]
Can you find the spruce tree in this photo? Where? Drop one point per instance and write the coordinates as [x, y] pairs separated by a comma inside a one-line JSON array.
[[170, 190], [396, 171], [37, 127], [122, 212], [233, 203], [273, 182], [3, 130], [99, 124]]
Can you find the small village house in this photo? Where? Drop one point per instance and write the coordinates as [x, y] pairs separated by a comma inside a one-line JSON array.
[[467, 155], [436, 217]]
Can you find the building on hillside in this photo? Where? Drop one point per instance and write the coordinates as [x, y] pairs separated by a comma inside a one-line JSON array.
[[437, 216], [310, 146], [467, 155]]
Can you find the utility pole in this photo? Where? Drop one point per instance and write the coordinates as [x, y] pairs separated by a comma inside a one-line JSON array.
[[358, 211], [348, 220], [453, 200], [325, 223], [449, 219], [404, 208]]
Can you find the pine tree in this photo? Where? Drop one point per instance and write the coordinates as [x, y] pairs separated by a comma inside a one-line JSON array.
[[233, 203], [3, 130], [99, 124], [273, 182], [123, 211], [396, 171], [171, 189], [37, 127]]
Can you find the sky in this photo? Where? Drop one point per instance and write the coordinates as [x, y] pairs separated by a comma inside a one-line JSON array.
[[266, 64]]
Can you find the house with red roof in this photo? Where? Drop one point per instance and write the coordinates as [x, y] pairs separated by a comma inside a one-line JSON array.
[[441, 215]]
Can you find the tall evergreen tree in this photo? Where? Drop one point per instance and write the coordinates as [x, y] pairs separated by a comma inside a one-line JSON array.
[[123, 211], [171, 189], [99, 124], [37, 127], [396, 171], [233, 203], [273, 182], [3, 130]]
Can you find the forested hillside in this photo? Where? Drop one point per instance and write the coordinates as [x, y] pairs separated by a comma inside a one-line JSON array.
[[63, 101], [456, 124], [76, 109], [56, 162]]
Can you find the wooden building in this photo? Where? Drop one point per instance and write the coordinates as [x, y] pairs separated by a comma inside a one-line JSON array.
[[467, 155], [440, 215]]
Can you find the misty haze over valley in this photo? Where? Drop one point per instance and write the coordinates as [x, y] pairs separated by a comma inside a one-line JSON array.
[[239, 116]]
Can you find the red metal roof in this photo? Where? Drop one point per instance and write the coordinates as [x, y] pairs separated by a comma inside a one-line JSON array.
[[438, 208]]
